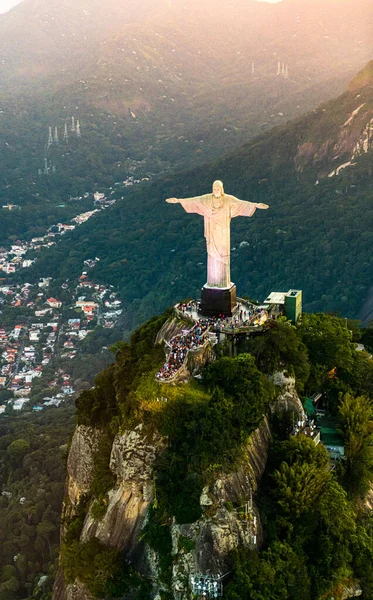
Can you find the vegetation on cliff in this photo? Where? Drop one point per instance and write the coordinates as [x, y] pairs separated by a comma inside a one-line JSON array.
[[207, 434], [318, 537], [318, 534]]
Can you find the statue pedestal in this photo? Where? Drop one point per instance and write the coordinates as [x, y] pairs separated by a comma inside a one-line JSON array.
[[218, 301]]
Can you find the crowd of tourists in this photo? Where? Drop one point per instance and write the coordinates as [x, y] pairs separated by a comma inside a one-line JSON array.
[[180, 346]]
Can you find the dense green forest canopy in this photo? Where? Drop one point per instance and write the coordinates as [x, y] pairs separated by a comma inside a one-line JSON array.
[[33, 452]]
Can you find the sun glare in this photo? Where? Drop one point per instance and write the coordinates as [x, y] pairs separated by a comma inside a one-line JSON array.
[[6, 5]]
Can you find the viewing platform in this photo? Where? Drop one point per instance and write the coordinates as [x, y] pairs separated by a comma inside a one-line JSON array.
[[206, 331]]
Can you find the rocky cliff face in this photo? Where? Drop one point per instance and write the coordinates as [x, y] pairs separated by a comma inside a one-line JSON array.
[[229, 519], [132, 461], [173, 326], [288, 399], [75, 591], [80, 463], [229, 516], [345, 142]]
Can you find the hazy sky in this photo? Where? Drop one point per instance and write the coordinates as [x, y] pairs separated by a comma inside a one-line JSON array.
[[7, 4]]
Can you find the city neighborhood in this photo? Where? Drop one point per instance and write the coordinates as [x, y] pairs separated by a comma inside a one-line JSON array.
[[38, 331], [36, 328]]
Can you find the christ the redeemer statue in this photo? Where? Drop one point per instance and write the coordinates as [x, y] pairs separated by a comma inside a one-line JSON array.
[[218, 209]]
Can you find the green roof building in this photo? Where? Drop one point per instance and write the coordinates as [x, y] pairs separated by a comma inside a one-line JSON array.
[[293, 305], [287, 303]]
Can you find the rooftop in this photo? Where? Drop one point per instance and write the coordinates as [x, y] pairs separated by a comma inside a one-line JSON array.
[[275, 298]]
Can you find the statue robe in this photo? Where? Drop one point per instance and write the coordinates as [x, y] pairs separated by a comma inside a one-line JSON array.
[[217, 213]]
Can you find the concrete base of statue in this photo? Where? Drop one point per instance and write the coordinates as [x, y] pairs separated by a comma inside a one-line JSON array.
[[218, 301]]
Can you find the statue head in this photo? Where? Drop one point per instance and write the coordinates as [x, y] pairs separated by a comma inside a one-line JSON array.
[[217, 189]]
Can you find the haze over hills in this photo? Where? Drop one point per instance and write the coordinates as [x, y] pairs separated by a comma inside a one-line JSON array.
[[317, 235], [316, 37], [165, 86]]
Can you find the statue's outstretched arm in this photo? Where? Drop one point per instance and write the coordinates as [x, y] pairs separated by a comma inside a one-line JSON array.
[[180, 200], [244, 208], [190, 205]]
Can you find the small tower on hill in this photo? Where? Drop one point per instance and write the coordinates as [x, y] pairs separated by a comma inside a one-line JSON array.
[[50, 137]]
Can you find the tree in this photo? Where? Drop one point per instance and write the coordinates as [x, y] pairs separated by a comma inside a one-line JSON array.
[[362, 552], [356, 415], [18, 449], [298, 487], [281, 349], [239, 378], [336, 512], [328, 341], [332, 355], [279, 573]]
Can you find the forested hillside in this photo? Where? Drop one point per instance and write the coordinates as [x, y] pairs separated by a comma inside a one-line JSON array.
[[209, 440], [168, 100], [316, 236]]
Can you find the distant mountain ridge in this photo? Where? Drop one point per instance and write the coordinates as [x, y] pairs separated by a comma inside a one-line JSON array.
[[312, 35], [160, 87]]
